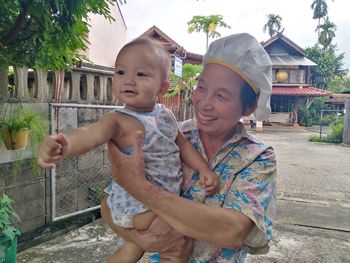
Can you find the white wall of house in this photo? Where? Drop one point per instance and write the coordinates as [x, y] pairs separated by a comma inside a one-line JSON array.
[[106, 39]]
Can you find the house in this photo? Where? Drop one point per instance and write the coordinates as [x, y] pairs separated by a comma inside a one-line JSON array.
[[337, 101], [105, 38], [174, 48], [291, 79]]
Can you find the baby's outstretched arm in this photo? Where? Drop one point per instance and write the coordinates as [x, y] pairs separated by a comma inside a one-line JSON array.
[[208, 179], [57, 147]]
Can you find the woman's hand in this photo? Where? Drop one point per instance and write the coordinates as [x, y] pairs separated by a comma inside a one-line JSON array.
[[160, 237], [128, 170]]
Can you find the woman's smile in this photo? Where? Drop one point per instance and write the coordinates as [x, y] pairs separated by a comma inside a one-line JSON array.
[[206, 119]]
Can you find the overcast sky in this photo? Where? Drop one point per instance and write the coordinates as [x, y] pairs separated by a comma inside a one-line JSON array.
[[249, 16]]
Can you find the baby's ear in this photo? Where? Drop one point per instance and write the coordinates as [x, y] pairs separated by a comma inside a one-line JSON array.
[[164, 87]]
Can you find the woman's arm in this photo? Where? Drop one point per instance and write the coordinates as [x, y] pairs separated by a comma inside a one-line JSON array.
[[224, 227], [158, 237]]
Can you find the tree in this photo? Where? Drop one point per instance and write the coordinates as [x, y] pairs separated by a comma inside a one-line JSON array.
[[329, 65], [320, 11], [46, 33], [327, 34], [339, 84], [208, 25], [188, 80], [184, 86], [273, 25]]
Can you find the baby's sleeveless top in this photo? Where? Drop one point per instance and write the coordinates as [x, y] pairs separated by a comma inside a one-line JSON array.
[[162, 162]]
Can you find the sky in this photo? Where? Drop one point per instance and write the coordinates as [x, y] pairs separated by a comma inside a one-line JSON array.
[[249, 16]]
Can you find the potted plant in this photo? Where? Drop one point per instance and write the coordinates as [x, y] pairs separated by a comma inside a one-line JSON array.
[[22, 126], [19, 127], [15, 129], [8, 233], [18, 124]]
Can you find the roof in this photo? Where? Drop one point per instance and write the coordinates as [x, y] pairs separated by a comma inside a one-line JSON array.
[[284, 52], [338, 98], [281, 37], [299, 91], [172, 46], [156, 33], [284, 60], [193, 58]]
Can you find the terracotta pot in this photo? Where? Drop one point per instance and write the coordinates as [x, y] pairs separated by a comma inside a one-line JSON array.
[[15, 140]]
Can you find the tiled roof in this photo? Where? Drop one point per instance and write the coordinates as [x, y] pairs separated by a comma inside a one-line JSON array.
[[155, 30], [339, 98], [299, 91]]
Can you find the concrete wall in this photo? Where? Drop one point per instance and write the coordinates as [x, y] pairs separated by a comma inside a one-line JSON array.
[[27, 190]]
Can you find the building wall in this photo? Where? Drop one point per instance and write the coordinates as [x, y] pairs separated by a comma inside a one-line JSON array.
[[106, 39]]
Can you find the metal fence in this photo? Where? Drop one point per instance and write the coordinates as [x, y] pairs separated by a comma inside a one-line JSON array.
[[77, 183], [328, 118]]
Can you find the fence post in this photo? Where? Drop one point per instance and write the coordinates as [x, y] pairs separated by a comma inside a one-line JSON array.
[[21, 81], [3, 82], [346, 134]]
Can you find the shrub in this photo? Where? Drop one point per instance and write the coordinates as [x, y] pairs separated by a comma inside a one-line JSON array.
[[336, 136]]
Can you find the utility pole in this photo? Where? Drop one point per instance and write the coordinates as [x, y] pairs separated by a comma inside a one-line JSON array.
[[346, 134]]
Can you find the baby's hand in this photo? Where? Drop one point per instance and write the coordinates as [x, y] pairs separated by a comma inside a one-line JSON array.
[[52, 150], [210, 181]]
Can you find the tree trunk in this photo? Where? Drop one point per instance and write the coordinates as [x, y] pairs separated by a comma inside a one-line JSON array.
[[207, 43], [346, 134]]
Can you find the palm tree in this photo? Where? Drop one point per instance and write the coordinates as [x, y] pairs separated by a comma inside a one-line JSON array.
[[208, 25], [273, 24], [327, 34], [320, 11]]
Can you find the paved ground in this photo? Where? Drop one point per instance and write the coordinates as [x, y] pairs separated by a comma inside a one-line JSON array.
[[313, 209]]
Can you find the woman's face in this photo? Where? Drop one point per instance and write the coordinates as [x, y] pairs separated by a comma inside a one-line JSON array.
[[217, 101]]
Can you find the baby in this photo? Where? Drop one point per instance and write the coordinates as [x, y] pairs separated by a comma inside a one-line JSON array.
[[141, 76]]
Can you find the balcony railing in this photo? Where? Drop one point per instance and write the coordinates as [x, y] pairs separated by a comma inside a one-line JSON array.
[[81, 85]]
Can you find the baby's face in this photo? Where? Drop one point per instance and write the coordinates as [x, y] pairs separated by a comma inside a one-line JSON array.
[[137, 78]]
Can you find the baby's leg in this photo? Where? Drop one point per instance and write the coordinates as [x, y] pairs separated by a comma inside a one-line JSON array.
[[129, 253], [144, 220]]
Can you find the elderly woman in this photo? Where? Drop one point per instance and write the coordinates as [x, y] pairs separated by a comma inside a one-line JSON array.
[[235, 82]]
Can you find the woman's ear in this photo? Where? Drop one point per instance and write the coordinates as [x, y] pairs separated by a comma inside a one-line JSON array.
[[164, 87]]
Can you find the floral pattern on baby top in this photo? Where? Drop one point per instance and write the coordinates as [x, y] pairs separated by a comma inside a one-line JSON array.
[[162, 161], [247, 171]]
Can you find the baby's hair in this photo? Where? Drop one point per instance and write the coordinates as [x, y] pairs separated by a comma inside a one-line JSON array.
[[161, 53]]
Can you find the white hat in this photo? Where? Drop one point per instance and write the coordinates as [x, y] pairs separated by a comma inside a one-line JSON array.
[[243, 54]]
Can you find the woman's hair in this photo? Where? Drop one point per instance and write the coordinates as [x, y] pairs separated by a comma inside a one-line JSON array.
[[249, 98], [159, 51]]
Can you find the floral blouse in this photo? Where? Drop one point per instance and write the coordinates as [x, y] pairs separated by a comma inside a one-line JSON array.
[[247, 171]]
